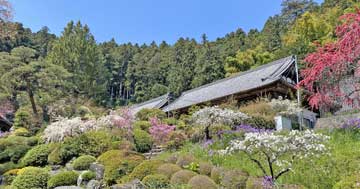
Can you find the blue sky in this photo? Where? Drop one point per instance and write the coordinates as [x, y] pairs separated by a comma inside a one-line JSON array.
[[142, 21]]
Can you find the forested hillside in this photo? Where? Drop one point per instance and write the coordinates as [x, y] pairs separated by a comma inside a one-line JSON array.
[[115, 74]]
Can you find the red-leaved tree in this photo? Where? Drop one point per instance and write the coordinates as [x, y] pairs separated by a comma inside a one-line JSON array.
[[332, 74]]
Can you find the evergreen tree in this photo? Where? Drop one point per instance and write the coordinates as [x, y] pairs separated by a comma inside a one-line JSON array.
[[76, 51], [208, 66]]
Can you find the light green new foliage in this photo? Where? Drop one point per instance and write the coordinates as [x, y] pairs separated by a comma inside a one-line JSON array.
[[31, 177], [66, 178], [83, 162]]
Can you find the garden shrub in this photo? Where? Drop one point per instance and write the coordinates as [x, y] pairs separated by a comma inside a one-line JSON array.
[[172, 158], [352, 181], [12, 141], [70, 148], [216, 130], [205, 168], [196, 134], [254, 183], [95, 142], [143, 125], [54, 156], [88, 175], [14, 153], [176, 140], [202, 182], [31, 177], [8, 166], [66, 178], [260, 122], [171, 121], [259, 108], [145, 114], [147, 167], [91, 143], [9, 176], [143, 141], [168, 169], [234, 179], [23, 118], [185, 160], [83, 162], [216, 174], [22, 132], [156, 181], [123, 145], [118, 163], [37, 156], [182, 177]]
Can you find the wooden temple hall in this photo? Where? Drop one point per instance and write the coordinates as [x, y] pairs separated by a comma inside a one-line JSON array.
[[277, 78]]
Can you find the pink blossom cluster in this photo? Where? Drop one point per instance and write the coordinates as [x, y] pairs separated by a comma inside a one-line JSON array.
[[123, 119], [160, 131]]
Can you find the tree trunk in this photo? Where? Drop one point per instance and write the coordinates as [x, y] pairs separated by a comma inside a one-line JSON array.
[[31, 97], [207, 133]]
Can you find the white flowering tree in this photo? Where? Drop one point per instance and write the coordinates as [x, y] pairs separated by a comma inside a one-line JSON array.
[[209, 116], [275, 153], [285, 107]]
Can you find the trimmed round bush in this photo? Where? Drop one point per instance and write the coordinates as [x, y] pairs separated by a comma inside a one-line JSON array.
[[83, 162], [202, 182], [234, 179], [185, 160], [143, 141], [156, 181], [143, 125], [22, 132], [168, 169], [216, 174], [147, 167], [95, 142], [119, 163], [88, 175], [37, 156], [352, 181], [254, 183], [146, 113], [182, 177], [31, 177], [66, 178], [205, 168]]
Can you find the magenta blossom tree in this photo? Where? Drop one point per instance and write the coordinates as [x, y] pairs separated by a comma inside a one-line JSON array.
[[123, 119], [160, 131]]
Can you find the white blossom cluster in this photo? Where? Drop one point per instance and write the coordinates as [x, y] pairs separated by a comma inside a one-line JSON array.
[[65, 127], [280, 149], [285, 107], [215, 115]]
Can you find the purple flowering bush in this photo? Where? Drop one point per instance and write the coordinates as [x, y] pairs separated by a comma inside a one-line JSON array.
[[352, 125]]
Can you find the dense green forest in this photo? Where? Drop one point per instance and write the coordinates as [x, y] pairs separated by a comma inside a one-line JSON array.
[[74, 64]]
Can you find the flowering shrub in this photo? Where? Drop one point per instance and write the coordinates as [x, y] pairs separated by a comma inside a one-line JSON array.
[[278, 151], [352, 124], [123, 119], [249, 129], [209, 116], [285, 107], [160, 131]]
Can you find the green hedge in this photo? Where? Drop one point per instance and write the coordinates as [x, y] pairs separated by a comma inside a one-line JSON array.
[[37, 156], [66, 178], [143, 141], [83, 162], [31, 177]]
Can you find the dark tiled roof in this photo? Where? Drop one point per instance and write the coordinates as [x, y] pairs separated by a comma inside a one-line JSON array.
[[243, 81], [158, 102]]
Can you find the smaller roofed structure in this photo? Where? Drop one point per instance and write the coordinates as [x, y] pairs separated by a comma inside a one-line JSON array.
[[158, 102]]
